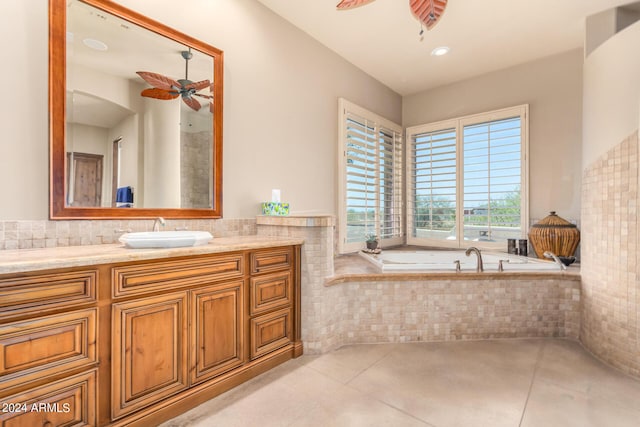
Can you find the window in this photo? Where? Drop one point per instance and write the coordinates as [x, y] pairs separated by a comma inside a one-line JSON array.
[[370, 184], [467, 180]]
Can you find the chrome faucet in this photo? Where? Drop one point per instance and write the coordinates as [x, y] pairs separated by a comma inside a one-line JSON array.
[[549, 254], [480, 266], [158, 222]]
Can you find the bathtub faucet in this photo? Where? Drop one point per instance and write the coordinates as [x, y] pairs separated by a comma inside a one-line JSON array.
[[479, 267], [549, 254]]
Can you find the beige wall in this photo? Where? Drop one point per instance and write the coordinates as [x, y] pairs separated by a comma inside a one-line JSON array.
[[611, 93], [599, 28], [553, 89], [280, 104]]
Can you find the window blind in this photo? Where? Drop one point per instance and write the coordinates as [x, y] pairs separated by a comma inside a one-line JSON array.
[[390, 179], [433, 184], [361, 178], [371, 179], [467, 180]]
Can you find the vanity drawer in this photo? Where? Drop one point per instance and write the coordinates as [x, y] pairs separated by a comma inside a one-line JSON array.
[[33, 349], [156, 276], [270, 291], [270, 332], [44, 292], [68, 402], [271, 260]]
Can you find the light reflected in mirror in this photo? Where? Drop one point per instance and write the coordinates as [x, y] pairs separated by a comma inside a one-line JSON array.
[[142, 129]]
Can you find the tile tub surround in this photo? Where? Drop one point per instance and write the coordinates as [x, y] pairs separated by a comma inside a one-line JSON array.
[[347, 302], [450, 307], [611, 257], [50, 234]]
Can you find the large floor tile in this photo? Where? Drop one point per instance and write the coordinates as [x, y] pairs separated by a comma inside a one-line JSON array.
[[550, 405], [347, 362], [455, 384], [567, 364], [510, 383]]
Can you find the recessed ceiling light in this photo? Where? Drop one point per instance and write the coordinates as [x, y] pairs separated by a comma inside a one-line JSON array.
[[439, 51], [95, 44]]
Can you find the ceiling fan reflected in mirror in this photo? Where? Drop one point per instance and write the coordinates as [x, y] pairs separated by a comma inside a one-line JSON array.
[[428, 12], [168, 88]]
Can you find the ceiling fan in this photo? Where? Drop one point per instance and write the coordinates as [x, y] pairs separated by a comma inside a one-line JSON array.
[[167, 88], [427, 11]]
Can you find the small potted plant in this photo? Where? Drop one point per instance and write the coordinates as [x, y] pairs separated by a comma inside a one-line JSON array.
[[372, 241]]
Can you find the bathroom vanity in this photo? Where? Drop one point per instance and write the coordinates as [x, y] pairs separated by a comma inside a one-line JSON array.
[[103, 335]]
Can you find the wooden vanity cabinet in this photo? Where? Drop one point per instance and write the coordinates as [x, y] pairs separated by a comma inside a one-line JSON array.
[[186, 330], [271, 300], [140, 342], [48, 348]]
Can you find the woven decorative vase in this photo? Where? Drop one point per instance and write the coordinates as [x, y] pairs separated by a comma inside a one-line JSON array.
[[554, 234]]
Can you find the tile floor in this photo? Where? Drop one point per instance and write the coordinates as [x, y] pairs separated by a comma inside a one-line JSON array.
[[531, 382]]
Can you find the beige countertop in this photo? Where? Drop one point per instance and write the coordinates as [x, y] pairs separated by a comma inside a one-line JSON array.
[[24, 260]]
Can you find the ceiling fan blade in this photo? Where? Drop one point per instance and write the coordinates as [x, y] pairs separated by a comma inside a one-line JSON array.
[[193, 103], [158, 80], [198, 85], [159, 93], [349, 4], [428, 11], [202, 95]]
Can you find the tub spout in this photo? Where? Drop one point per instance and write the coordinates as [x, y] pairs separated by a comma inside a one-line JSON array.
[[549, 254], [479, 267]]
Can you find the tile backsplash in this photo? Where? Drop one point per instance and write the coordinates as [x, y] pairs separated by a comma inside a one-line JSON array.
[[47, 234]]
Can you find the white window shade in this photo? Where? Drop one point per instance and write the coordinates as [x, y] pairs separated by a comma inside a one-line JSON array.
[[370, 179], [432, 185], [467, 180]]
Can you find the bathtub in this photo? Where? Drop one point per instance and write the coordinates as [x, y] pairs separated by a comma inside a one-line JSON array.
[[444, 260]]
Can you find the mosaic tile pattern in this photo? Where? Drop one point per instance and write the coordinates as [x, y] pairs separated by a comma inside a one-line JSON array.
[[450, 310], [373, 311], [49, 234], [610, 257]]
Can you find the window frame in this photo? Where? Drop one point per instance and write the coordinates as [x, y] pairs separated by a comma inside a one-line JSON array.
[[458, 124], [345, 108]]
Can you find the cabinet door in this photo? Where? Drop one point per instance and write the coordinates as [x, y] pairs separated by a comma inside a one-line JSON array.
[[68, 402], [149, 354], [216, 330], [270, 332]]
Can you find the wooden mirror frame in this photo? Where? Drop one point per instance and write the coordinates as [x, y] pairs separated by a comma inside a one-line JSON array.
[[57, 118]]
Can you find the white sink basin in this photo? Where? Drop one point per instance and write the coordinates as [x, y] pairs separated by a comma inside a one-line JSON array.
[[165, 239]]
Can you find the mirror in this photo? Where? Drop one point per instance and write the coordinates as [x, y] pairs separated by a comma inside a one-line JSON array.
[[135, 116]]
